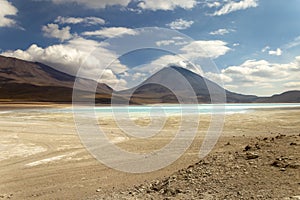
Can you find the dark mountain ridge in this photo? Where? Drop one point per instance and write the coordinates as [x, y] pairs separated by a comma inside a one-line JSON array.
[[32, 81]]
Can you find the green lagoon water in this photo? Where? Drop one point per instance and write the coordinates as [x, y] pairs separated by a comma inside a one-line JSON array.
[[170, 109]]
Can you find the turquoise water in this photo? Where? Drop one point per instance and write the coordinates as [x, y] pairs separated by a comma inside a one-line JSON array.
[[168, 109], [183, 109]]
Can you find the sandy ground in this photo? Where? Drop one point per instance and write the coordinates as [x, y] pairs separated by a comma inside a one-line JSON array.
[[42, 157]]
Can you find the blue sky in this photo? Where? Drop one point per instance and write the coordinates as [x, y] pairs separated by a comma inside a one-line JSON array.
[[255, 44]]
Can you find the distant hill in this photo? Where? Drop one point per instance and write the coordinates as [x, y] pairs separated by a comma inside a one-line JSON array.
[[286, 97], [35, 82]]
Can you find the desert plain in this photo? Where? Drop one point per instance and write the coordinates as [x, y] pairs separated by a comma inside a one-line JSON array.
[[256, 157]]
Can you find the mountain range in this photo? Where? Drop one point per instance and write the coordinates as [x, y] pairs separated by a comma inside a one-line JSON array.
[[35, 82], [24, 81]]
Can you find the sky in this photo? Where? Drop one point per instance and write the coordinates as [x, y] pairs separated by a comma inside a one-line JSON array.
[[247, 46]]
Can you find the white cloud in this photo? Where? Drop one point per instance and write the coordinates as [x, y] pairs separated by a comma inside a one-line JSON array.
[[166, 4], [142, 4], [266, 48], [277, 52], [165, 42], [261, 77], [213, 4], [191, 52], [218, 78], [95, 4], [79, 20], [111, 32], [292, 85], [138, 76], [232, 6], [221, 31], [202, 48], [169, 60], [53, 31], [180, 24], [89, 55], [6, 10], [178, 41], [294, 43]]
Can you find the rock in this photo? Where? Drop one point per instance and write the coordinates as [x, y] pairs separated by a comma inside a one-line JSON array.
[[98, 190], [293, 144], [294, 165], [247, 148], [292, 198], [257, 146], [282, 169], [250, 156], [276, 164]]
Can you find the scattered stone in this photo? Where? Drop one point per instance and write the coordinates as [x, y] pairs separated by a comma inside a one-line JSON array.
[[296, 197], [276, 164], [257, 146], [280, 136], [219, 175], [282, 169], [294, 165], [247, 148], [250, 156]]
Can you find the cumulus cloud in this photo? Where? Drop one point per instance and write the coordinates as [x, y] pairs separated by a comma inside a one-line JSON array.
[[79, 20], [111, 32], [53, 31], [232, 6], [180, 24], [6, 10], [260, 77], [190, 53], [168, 60], [166, 4], [203, 48], [277, 52], [221, 31], [95, 4], [88, 55]]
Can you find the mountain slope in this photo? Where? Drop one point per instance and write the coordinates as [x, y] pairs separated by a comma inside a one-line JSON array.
[[29, 81], [180, 80], [286, 97]]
